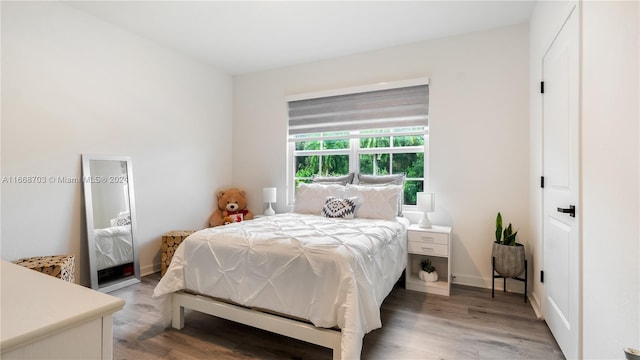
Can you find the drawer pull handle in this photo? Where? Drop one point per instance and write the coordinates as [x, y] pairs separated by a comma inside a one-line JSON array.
[[427, 239], [427, 249]]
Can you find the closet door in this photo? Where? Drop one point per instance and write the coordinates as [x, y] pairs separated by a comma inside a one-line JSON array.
[[560, 103]]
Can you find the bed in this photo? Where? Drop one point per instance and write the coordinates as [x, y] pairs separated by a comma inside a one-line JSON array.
[[315, 278]]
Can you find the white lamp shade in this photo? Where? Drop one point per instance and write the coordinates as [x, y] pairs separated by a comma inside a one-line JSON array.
[[269, 194], [426, 201]]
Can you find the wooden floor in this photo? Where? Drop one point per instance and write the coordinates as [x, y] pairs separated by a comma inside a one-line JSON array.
[[467, 325]]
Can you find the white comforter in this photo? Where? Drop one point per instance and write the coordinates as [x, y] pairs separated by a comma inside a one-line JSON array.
[[113, 246], [332, 272]]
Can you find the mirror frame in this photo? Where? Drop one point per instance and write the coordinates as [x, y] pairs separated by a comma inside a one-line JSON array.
[[88, 200]]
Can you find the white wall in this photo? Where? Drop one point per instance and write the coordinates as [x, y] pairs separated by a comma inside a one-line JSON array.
[[478, 125], [72, 84], [610, 186], [610, 167]]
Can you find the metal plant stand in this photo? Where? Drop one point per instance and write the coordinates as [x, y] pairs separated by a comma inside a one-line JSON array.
[[504, 286]]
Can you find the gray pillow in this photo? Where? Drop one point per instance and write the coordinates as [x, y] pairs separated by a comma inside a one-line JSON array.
[[339, 180], [395, 179], [380, 180]]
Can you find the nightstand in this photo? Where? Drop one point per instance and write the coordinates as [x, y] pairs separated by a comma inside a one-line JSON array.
[[433, 243], [170, 242]]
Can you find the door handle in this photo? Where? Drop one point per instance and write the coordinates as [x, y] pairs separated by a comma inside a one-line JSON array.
[[571, 210]]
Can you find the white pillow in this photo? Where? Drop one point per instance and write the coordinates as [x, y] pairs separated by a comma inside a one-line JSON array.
[[376, 202], [310, 198], [378, 180]]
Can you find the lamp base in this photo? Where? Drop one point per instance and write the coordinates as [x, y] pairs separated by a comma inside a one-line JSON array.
[[425, 222], [269, 211]]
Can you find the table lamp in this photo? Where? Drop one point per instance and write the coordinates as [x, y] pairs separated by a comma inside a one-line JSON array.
[[426, 204], [269, 196]]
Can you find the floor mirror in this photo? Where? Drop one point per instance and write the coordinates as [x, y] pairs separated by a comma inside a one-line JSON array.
[[111, 221]]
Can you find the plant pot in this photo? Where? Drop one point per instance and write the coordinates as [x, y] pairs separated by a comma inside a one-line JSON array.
[[509, 260], [428, 277], [632, 354]]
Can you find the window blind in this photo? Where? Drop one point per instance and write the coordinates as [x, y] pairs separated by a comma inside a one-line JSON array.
[[389, 108]]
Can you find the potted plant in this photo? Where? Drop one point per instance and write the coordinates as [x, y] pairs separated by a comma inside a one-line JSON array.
[[427, 271], [508, 255]]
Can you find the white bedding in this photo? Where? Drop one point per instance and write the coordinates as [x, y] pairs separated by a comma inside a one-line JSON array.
[[113, 246], [333, 272]]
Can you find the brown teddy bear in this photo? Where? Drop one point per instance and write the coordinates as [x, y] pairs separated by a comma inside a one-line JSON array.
[[231, 202]]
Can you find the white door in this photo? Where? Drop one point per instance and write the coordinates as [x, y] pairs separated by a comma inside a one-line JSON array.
[[560, 105]]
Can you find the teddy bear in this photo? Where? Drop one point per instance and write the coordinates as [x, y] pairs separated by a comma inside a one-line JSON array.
[[231, 202]]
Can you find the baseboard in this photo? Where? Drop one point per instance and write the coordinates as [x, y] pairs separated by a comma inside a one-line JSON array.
[[513, 286], [535, 305], [149, 269], [474, 281]]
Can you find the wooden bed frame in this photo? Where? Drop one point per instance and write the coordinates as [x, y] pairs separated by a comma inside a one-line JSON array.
[[280, 325]]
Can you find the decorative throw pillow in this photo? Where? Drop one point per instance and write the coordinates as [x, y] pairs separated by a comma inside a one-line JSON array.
[[123, 219], [310, 198], [339, 180], [376, 202], [340, 208]]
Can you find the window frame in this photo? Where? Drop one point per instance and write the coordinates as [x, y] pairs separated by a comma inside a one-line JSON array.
[[354, 151]]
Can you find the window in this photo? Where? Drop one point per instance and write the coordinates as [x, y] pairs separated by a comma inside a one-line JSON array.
[[379, 132]]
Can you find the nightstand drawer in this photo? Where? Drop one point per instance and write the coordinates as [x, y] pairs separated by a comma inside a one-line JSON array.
[[429, 237], [419, 247]]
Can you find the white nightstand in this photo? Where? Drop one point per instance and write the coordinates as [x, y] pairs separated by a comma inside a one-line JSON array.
[[435, 244]]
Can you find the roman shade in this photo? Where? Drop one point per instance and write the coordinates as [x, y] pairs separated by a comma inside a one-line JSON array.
[[389, 108]]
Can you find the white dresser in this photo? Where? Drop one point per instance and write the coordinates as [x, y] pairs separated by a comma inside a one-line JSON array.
[[43, 317]]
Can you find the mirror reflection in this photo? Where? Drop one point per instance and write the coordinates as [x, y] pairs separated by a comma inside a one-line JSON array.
[[110, 221]]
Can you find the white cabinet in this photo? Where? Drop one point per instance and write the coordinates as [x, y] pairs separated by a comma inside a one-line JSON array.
[[433, 243], [47, 318]]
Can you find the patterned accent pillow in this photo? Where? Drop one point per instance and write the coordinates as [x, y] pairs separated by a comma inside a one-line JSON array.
[[122, 221], [340, 208]]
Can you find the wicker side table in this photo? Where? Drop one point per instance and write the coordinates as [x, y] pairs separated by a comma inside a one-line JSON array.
[[170, 242], [60, 266]]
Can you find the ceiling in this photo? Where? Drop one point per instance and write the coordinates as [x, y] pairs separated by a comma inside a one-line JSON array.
[[248, 36]]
